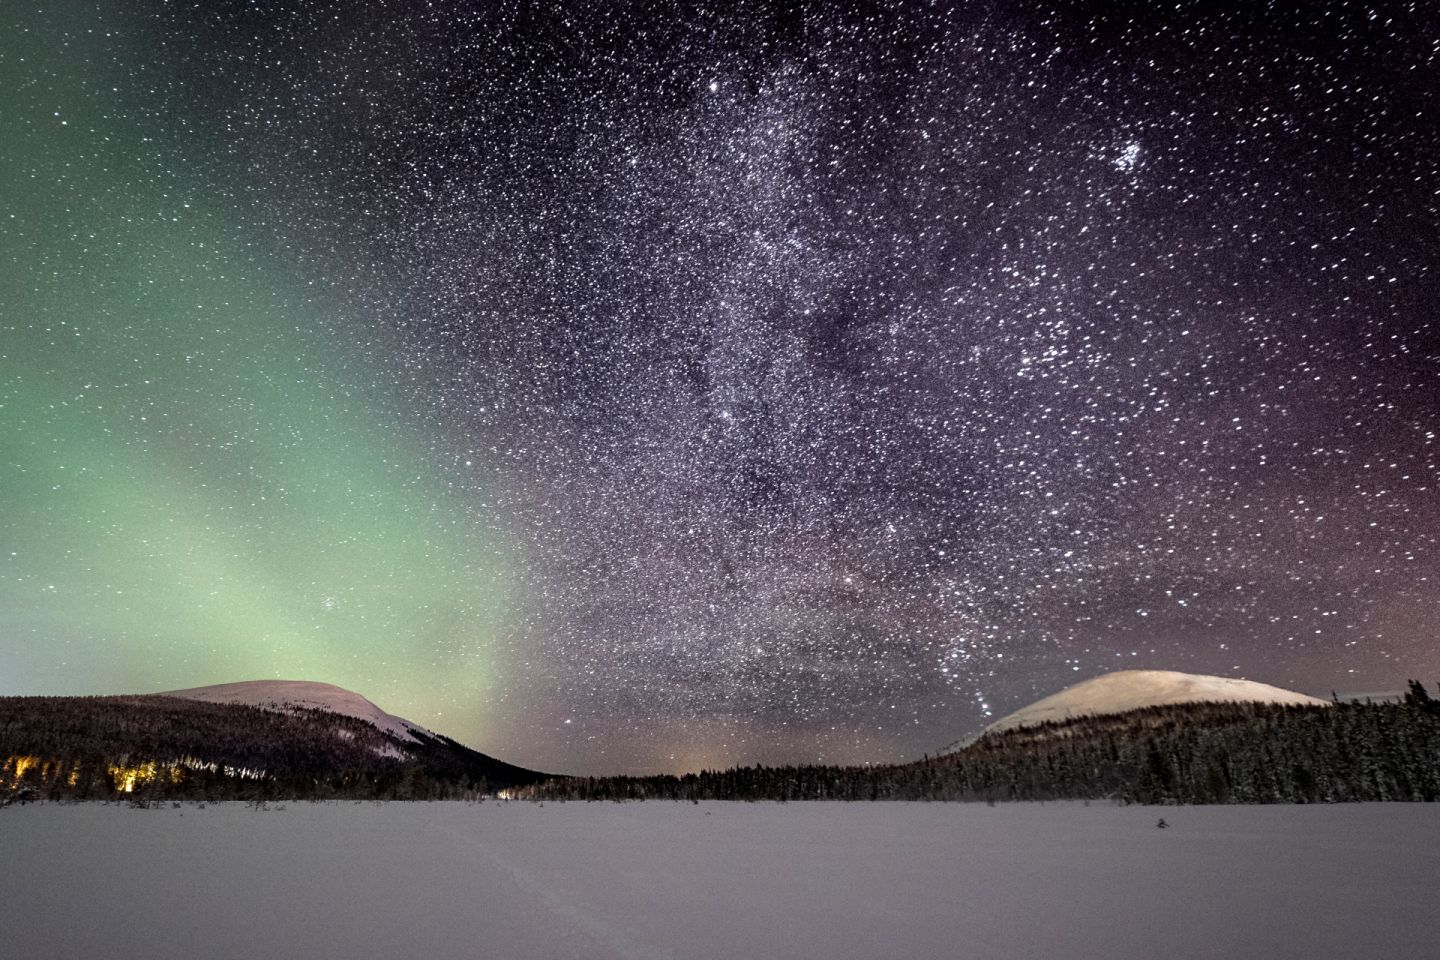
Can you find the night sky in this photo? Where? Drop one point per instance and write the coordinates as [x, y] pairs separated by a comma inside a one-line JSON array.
[[632, 387]]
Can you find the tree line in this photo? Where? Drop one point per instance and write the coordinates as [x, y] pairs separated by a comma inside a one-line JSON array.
[[168, 748], [1184, 753], [155, 747]]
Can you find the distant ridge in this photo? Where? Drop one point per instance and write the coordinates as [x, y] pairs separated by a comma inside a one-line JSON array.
[[290, 695], [252, 740], [1126, 690]]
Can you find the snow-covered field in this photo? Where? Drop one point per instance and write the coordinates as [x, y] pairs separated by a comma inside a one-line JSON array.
[[594, 881]]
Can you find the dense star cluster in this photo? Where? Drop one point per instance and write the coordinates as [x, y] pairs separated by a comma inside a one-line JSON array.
[[658, 386]]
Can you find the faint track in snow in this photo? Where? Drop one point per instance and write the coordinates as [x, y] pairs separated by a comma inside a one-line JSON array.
[[581, 924]]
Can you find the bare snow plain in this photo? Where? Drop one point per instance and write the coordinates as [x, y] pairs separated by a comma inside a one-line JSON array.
[[719, 880]]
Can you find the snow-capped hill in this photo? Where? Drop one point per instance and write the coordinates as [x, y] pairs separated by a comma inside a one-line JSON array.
[[1126, 690], [284, 695]]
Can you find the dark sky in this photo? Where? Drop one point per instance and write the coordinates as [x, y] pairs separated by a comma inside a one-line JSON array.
[[648, 386]]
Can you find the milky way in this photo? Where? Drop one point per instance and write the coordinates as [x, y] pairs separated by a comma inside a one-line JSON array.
[[646, 387]]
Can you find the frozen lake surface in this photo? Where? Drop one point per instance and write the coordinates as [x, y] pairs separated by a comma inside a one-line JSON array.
[[717, 880]]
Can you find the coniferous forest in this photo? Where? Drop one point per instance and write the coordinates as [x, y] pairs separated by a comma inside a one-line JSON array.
[[1186, 753], [166, 748], [170, 748]]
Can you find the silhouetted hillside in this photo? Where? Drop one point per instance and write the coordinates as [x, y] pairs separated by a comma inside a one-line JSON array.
[[1184, 753], [157, 746]]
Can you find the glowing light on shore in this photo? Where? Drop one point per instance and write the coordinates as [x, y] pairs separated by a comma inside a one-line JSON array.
[[18, 767], [128, 777]]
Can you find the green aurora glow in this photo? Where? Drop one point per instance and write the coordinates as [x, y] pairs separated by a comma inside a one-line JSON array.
[[198, 485]]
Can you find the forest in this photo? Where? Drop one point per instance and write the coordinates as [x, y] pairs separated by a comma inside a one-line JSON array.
[[1182, 754], [164, 748], [155, 747]]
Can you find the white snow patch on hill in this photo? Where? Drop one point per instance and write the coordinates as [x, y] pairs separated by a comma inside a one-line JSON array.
[[288, 695], [1126, 690]]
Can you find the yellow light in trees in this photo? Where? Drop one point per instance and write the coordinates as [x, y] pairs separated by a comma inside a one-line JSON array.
[[18, 766]]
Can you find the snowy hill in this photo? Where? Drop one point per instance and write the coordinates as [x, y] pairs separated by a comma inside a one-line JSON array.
[[237, 741], [1127, 690], [290, 695]]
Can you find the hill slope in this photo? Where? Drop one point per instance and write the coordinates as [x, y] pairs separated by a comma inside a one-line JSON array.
[[1238, 752], [292, 695], [1126, 690], [236, 741]]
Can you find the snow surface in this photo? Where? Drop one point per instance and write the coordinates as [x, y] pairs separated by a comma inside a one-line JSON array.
[[714, 880], [1132, 689], [282, 695]]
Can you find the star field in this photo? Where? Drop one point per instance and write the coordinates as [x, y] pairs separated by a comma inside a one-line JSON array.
[[669, 386]]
